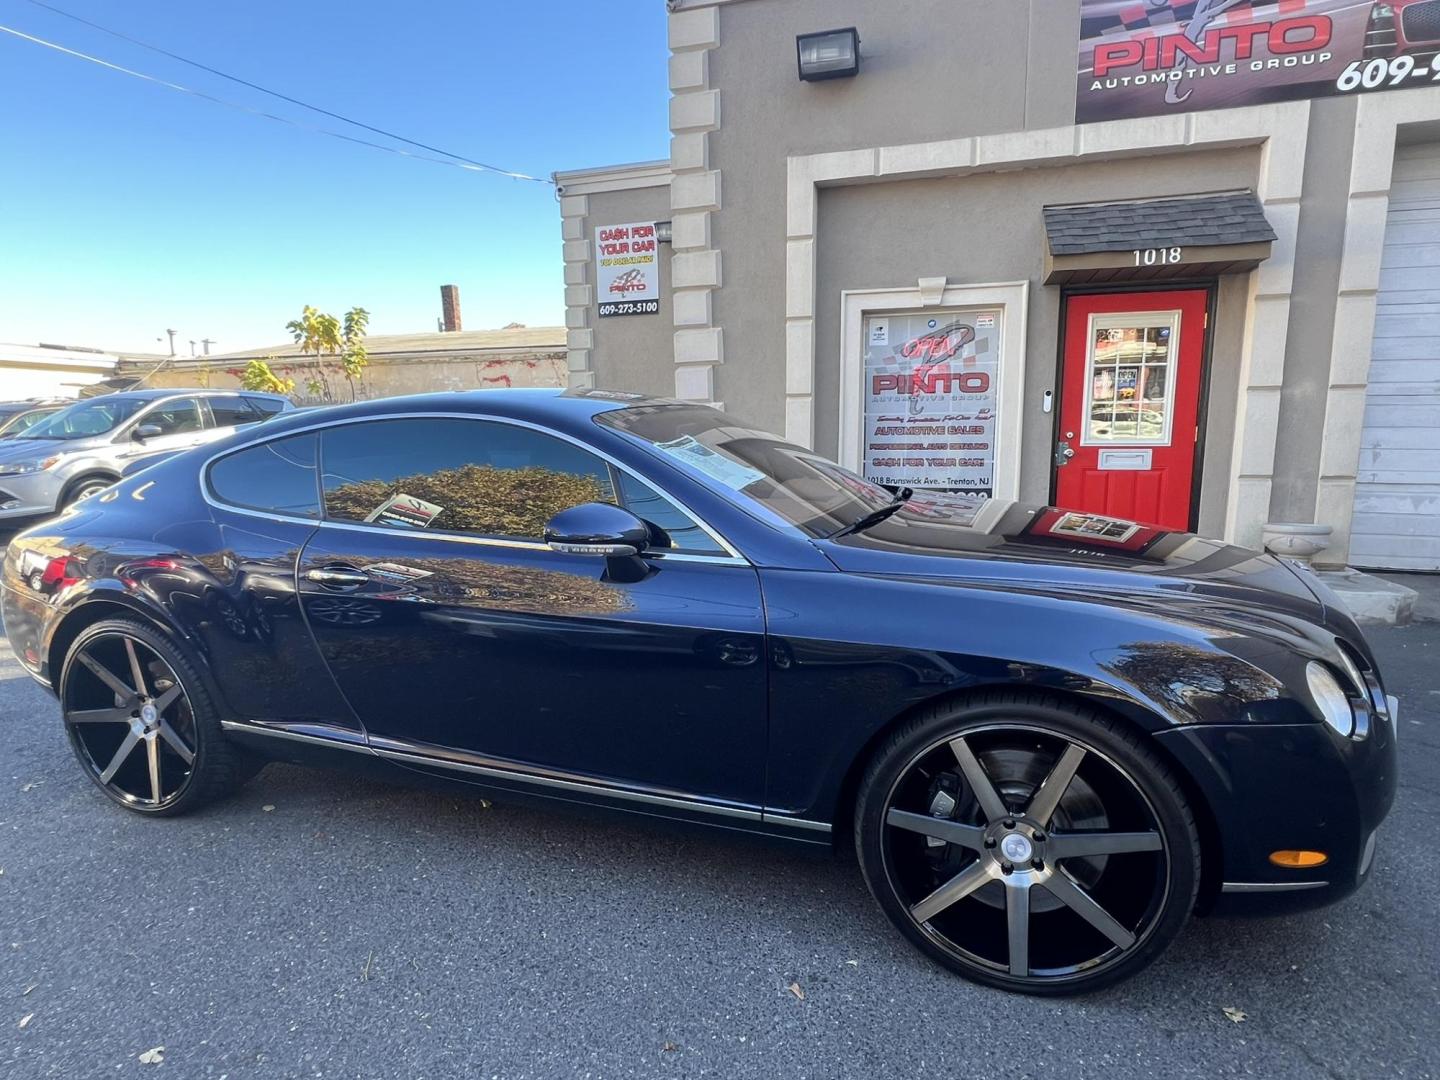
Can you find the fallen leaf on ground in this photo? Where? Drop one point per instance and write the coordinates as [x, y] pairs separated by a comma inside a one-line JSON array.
[[31, 786], [1232, 1013], [153, 1056], [794, 988], [853, 963], [27, 990], [669, 1046], [268, 807], [25, 1020]]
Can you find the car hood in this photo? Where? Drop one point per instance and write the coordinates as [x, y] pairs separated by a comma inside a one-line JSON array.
[[996, 541], [27, 449]]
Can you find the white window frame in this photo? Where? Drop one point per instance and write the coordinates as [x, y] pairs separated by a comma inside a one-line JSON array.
[[1102, 320], [1011, 297]]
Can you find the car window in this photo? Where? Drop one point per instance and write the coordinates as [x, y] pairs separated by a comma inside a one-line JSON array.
[[233, 411], [85, 418], [776, 478], [266, 406], [278, 476], [673, 528], [22, 422], [473, 476], [175, 417]]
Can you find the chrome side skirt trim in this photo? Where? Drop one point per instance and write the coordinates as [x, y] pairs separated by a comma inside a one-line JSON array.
[[1270, 886], [798, 823], [295, 736], [409, 754], [577, 786]]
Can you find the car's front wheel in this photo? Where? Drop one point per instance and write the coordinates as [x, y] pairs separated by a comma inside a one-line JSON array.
[[1028, 843], [142, 723]]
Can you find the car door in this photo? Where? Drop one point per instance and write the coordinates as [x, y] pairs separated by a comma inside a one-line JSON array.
[[228, 412], [181, 423], [454, 631]]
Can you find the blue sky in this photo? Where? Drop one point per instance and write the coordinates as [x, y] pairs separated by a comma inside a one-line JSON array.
[[129, 208]]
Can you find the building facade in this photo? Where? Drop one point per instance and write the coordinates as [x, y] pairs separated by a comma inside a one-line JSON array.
[[1169, 259]]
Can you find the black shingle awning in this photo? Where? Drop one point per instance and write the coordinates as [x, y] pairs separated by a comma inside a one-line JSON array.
[[1156, 238]]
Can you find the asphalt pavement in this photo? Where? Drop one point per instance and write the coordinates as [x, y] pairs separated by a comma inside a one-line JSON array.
[[318, 925]]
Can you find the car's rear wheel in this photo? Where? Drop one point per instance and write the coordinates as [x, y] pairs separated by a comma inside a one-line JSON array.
[[142, 723], [1028, 843]]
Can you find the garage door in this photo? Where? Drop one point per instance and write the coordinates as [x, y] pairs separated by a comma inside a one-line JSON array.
[[1397, 493]]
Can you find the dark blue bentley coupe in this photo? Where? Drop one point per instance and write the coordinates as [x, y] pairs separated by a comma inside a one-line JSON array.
[[1050, 737]]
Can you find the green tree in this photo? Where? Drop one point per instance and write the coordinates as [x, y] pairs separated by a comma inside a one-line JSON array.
[[259, 376], [353, 356], [317, 334]]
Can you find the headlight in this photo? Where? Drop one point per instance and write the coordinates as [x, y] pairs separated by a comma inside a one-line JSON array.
[[20, 468], [1332, 701]]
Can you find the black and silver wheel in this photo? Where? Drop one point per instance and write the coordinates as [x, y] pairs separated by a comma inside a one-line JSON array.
[[1028, 844], [141, 721], [82, 489]]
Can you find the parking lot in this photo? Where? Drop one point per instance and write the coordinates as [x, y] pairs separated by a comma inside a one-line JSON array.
[[321, 925]]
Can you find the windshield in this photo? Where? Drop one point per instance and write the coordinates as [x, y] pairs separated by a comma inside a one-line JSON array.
[[86, 418], [792, 483]]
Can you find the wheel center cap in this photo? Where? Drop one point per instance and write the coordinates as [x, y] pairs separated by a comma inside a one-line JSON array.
[[148, 715], [1017, 848]]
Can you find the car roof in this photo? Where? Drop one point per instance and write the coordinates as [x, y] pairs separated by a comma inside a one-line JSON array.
[[542, 405], [154, 393]]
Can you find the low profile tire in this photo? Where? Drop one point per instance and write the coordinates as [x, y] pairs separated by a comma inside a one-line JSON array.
[[1028, 843], [89, 485], [142, 723]]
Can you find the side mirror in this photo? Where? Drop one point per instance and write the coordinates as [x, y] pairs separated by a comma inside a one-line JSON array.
[[605, 530], [146, 431]]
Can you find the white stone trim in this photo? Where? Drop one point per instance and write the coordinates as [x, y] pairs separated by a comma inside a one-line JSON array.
[[1378, 120], [575, 184], [1011, 296], [578, 291], [1280, 130], [695, 264]]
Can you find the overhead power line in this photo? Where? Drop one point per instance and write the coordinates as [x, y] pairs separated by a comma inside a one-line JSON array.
[[448, 158]]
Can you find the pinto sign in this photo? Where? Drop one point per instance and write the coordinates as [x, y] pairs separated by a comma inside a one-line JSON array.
[[1153, 57], [930, 399], [627, 260]]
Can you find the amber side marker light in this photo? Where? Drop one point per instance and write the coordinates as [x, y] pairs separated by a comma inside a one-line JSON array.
[[1299, 860]]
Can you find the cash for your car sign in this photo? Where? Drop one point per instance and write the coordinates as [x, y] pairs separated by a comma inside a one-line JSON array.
[[1152, 57], [628, 258], [931, 385]]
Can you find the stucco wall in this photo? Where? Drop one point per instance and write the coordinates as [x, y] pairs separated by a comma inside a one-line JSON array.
[[989, 75], [988, 228], [631, 352], [384, 377]]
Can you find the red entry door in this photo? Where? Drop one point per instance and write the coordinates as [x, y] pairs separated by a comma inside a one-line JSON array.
[[1130, 402]]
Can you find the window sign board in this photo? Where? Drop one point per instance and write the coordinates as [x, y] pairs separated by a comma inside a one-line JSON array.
[[1154, 57], [931, 393], [627, 260]]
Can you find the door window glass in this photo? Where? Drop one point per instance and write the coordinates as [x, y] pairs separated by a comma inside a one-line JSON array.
[[278, 476], [471, 476], [670, 526], [232, 411], [266, 406], [175, 417], [1130, 378]]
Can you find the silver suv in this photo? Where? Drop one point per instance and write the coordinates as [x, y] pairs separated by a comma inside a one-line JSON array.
[[85, 447]]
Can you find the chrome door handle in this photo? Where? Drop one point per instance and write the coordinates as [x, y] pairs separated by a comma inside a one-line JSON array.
[[338, 577]]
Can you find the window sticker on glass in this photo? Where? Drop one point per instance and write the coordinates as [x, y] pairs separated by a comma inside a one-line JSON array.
[[406, 511], [716, 466]]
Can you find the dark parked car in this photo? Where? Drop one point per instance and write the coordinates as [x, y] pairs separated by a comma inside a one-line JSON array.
[[1050, 736]]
